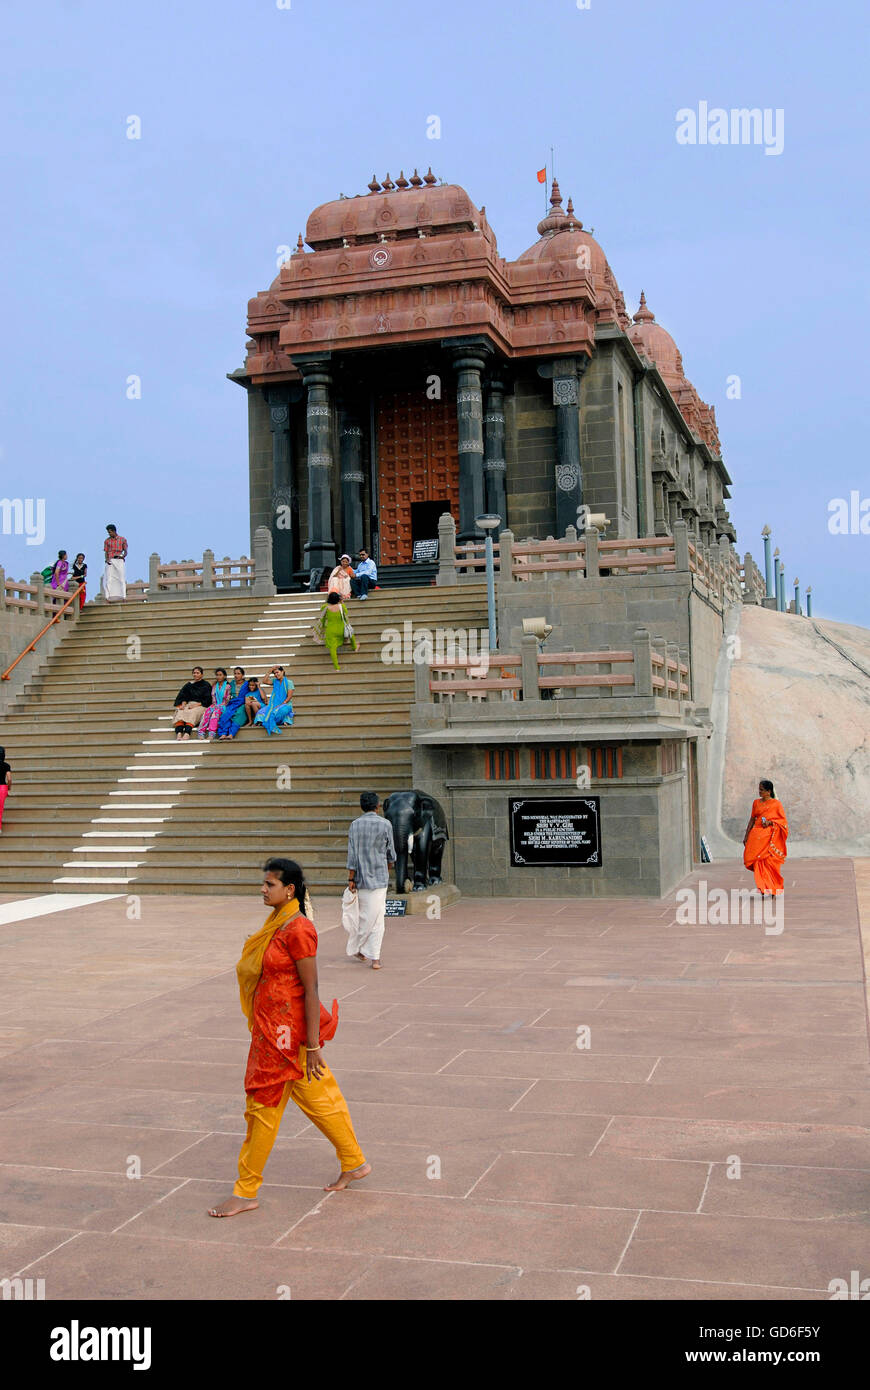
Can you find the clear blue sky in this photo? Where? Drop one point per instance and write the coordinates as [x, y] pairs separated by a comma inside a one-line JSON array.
[[138, 257]]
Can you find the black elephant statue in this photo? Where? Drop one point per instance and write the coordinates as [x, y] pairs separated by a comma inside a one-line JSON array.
[[420, 819]]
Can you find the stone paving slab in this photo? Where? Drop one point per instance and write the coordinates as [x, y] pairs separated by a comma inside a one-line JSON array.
[[508, 1163]]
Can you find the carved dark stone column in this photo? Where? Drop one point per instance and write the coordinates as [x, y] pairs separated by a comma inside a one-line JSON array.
[[469, 360], [283, 499], [352, 480], [565, 373], [317, 378], [493, 451]]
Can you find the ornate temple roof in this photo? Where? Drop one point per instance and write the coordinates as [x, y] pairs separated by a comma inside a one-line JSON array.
[[393, 210]]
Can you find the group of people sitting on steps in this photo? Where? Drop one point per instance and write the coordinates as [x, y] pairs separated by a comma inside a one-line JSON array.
[[220, 710]]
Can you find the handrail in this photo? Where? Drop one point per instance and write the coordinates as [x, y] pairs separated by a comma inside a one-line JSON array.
[[59, 614]]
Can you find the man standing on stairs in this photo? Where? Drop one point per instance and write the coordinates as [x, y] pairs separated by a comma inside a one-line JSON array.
[[371, 853], [115, 573]]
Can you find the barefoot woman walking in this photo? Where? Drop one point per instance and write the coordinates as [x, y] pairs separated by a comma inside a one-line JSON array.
[[764, 848], [278, 987]]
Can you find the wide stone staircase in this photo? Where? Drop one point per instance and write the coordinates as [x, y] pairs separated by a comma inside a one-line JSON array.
[[105, 798]]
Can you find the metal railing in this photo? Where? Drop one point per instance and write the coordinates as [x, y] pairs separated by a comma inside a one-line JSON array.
[[32, 645]]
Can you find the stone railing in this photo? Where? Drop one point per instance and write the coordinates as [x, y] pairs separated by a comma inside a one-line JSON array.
[[591, 558], [652, 667], [35, 598], [208, 577]]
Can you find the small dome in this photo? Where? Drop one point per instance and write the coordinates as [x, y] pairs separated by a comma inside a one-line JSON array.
[[562, 238], [656, 342]]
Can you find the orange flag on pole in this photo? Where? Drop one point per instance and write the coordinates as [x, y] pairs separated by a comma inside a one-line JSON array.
[[542, 175]]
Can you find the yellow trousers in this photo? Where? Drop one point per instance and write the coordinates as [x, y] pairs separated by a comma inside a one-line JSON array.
[[324, 1105]]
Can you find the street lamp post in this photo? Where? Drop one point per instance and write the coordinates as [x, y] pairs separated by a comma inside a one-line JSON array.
[[809, 600], [768, 564], [797, 598], [487, 523]]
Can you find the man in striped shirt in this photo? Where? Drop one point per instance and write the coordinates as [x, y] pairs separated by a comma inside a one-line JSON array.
[[114, 584], [371, 853]]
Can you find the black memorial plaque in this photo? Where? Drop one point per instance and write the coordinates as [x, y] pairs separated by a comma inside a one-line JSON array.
[[556, 830], [396, 907], [425, 552]]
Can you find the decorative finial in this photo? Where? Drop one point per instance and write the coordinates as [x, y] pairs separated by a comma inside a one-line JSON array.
[[555, 195], [776, 552], [387, 184], [765, 530], [429, 178], [644, 313], [299, 245], [401, 181], [416, 181], [374, 186]]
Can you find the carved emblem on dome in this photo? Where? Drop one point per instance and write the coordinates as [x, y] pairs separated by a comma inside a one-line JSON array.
[[458, 317], [420, 322], [344, 264], [380, 257], [271, 307], [382, 323], [386, 216], [567, 476]]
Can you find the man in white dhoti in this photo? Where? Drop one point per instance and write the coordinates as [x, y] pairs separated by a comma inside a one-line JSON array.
[[114, 585], [371, 852]]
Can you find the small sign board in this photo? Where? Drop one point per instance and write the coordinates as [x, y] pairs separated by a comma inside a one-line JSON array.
[[706, 857], [396, 907], [556, 830], [425, 552]]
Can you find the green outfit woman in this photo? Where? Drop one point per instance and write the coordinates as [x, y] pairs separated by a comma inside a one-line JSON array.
[[333, 616]]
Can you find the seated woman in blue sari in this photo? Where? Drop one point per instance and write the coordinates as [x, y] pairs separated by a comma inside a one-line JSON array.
[[234, 714], [279, 709]]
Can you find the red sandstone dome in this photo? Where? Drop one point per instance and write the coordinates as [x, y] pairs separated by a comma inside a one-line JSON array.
[[656, 342], [563, 239], [394, 211]]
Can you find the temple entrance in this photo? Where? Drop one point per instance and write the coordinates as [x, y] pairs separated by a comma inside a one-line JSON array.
[[418, 470], [424, 519]]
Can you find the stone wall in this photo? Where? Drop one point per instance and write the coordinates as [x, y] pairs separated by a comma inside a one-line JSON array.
[[530, 451], [644, 826], [260, 456], [16, 630]]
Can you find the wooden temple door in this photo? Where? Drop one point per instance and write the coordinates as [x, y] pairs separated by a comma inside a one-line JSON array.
[[418, 464]]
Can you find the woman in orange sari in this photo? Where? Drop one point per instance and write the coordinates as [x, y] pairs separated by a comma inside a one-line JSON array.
[[278, 988], [764, 848]]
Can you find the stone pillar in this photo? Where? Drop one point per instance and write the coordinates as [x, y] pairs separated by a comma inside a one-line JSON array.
[[592, 553], [469, 360], [529, 653], [153, 574], [684, 661], [40, 589], [446, 550], [284, 558], [264, 584], [208, 571], [319, 549], [681, 546], [642, 663], [352, 480], [505, 556], [569, 474], [493, 450]]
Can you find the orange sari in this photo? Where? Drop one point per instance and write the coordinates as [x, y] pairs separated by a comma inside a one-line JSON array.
[[765, 849]]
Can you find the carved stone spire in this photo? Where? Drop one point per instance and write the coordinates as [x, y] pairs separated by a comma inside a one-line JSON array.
[[644, 313]]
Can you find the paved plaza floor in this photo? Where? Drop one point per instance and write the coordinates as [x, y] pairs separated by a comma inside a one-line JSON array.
[[712, 1141]]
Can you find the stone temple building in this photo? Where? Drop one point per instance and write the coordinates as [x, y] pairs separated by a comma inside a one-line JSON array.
[[401, 368]]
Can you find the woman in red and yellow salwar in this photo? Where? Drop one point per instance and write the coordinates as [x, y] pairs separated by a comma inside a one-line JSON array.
[[764, 848], [278, 987]]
